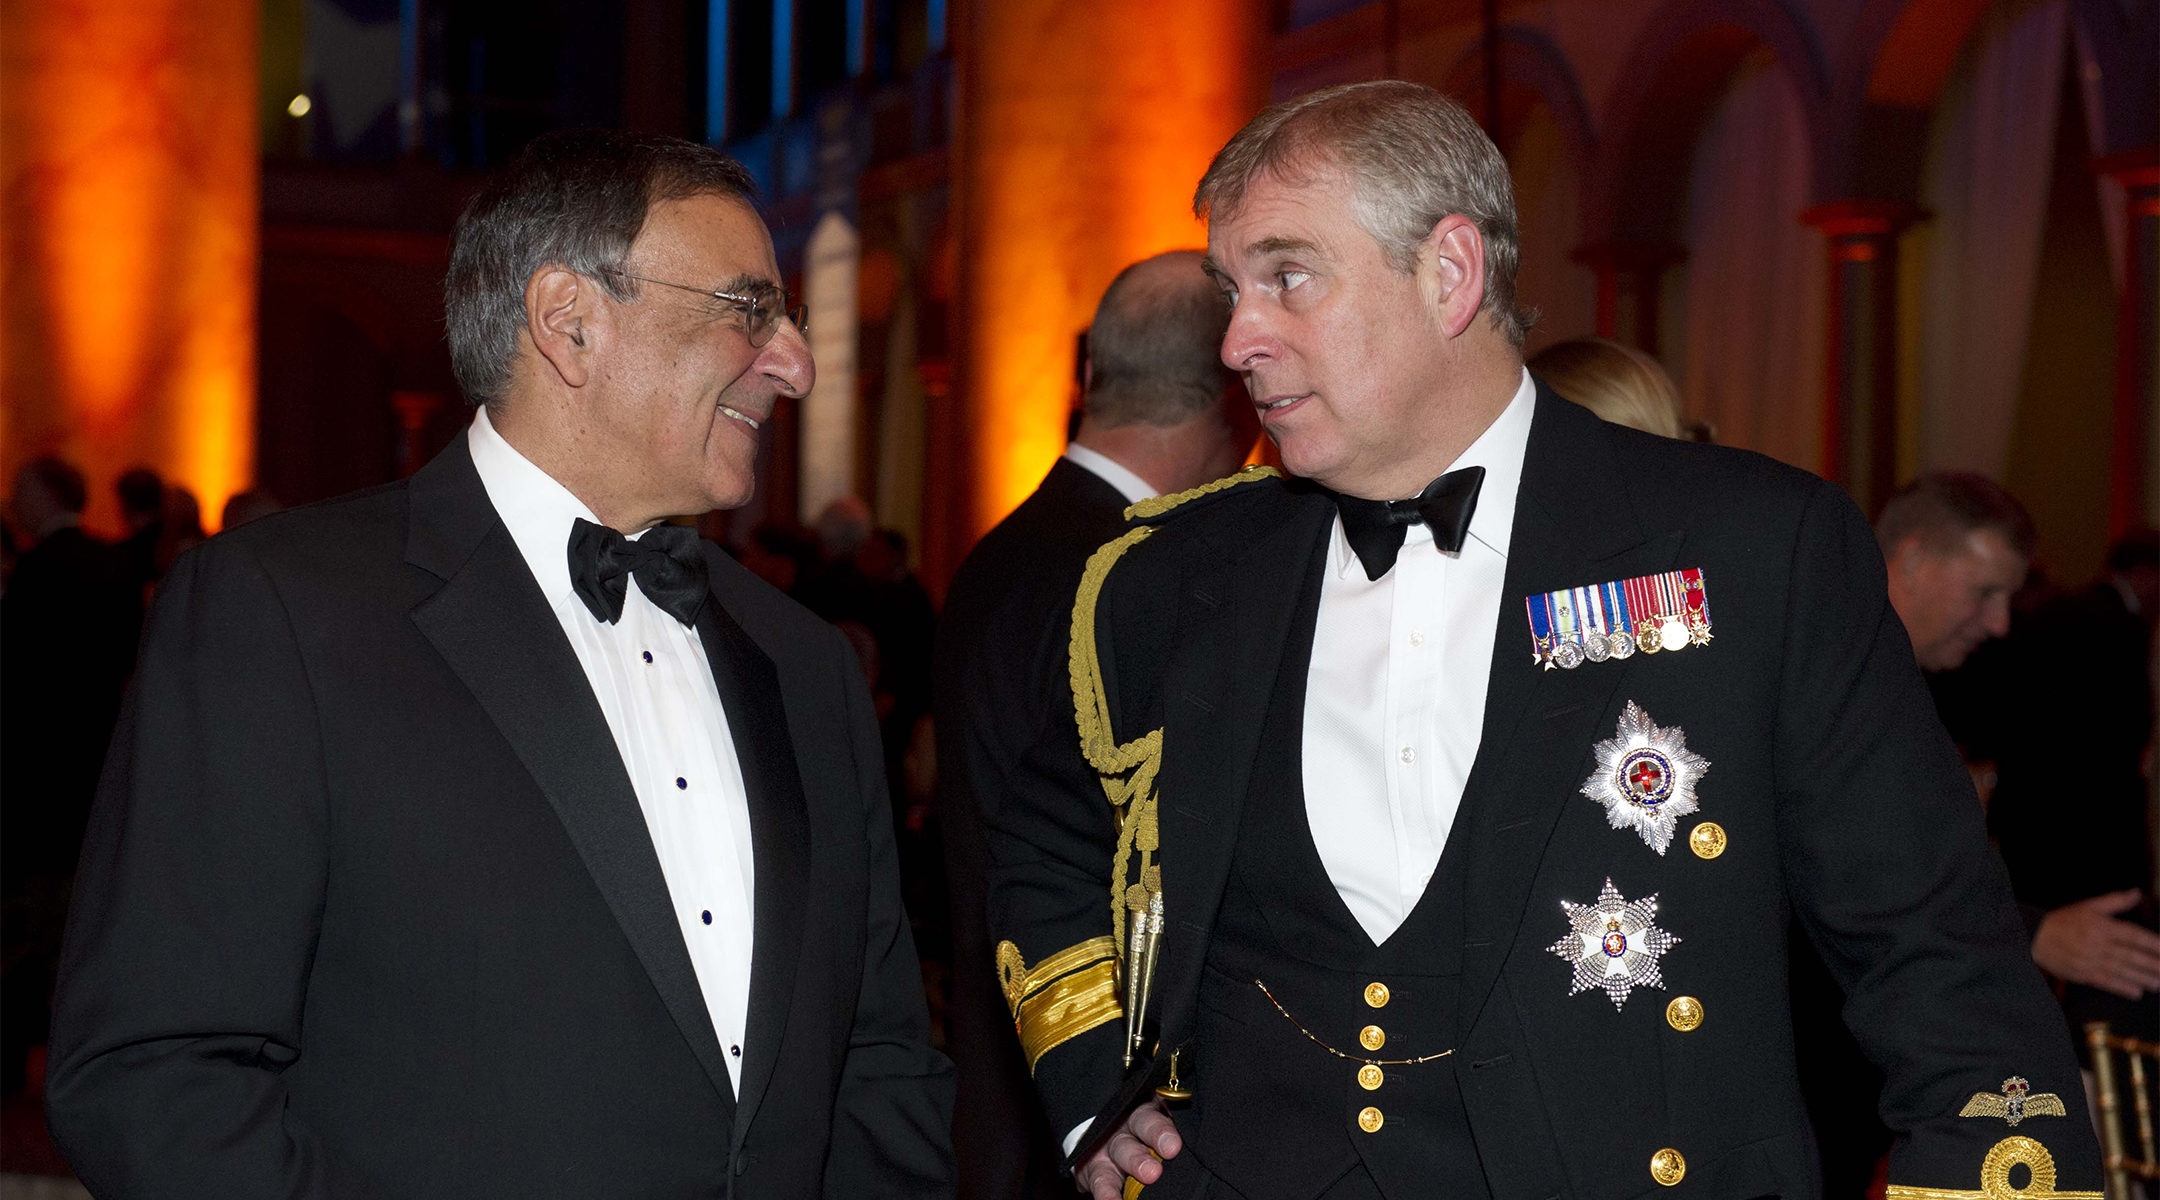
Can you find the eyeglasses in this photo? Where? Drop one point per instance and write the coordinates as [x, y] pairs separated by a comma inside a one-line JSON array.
[[761, 313]]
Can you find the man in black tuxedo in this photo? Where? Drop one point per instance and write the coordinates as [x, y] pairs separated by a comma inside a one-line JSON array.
[[1160, 415], [481, 835], [1464, 786]]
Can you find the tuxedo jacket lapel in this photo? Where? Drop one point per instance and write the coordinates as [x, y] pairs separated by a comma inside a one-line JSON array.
[[1215, 698], [1574, 525], [779, 836], [492, 625]]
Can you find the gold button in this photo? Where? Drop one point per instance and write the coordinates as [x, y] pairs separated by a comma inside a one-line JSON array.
[[1684, 1013], [1708, 840], [1370, 1120], [1370, 1077], [1376, 995], [1668, 1167], [1372, 1037]]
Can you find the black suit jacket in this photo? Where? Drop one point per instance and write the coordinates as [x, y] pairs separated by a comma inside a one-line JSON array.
[[1000, 647], [369, 907], [1842, 799]]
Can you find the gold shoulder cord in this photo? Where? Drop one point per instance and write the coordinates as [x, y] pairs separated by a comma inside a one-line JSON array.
[[1077, 988]]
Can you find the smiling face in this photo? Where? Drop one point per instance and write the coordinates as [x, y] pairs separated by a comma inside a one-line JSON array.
[[1343, 354], [680, 392]]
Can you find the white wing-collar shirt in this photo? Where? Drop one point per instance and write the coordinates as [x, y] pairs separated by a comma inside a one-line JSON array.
[[1111, 471], [1395, 695], [655, 686]]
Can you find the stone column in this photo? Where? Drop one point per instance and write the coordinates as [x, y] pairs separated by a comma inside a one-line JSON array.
[[1629, 276], [130, 169], [1860, 401], [2135, 460], [1082, 129]]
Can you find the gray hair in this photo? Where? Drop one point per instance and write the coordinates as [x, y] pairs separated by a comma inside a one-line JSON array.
[[1941, 508], [574, 199], [1156, 345], [1416, 158]]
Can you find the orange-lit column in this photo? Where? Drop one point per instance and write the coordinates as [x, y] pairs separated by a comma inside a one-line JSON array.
[[1860, 407], [1082, 131], [2134, 473], [129, 166]]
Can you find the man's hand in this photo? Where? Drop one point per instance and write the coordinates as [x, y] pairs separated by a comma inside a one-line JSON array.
[[1127, 1152], [2085, 943]]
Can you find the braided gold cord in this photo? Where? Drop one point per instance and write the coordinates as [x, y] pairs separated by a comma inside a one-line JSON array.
[[1133, 793], [1155, 506]]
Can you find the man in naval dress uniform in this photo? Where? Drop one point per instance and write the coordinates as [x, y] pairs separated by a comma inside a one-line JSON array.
[[1472, 771]]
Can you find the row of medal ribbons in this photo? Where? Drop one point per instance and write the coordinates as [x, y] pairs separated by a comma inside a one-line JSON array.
[[1667, 611]]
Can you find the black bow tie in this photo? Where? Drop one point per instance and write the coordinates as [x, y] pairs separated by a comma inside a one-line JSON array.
[[670, 569], [1375, 528]]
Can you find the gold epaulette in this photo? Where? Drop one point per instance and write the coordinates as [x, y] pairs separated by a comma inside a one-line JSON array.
[[1062, 997], [1156, 506]]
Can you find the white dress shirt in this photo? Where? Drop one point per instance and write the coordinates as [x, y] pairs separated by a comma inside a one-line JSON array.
[[1395, 695], [1112, 472], [655, 685]]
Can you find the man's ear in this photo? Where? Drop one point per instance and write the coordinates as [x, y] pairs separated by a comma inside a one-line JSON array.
[[1451, 273], [559, 312]]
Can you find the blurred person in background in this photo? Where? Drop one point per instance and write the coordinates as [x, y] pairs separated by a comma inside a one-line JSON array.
[[141, 492], [1619, 383], [1159, 414], [179, 528], [249, 505], [2073, 769], [67, 636]]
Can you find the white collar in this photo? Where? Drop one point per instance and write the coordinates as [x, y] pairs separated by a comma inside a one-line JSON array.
[[1112, 472], [1500, 450], [538, 509]]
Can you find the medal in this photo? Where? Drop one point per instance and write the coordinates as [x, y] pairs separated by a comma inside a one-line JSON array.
[[1613, 944], [1598, 622], [1645, 778]]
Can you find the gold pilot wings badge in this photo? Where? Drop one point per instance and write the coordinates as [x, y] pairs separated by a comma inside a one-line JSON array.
[[1645, 777], [2017, 1102]]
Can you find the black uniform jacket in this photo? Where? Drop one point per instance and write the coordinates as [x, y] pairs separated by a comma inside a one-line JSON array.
[[1841, 798], [369, 907], [1001, 646]]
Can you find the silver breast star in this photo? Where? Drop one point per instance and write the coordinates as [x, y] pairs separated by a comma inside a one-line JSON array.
[[1646, 777], [1613, 944]]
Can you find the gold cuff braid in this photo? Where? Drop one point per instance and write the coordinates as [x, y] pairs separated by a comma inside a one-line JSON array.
[[1062, 997], [1995, 1177]]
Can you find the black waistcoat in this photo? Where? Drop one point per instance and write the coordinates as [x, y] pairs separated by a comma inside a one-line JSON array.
[[1277, 1114]]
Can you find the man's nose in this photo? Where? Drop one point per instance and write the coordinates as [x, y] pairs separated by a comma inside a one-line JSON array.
[[1998, 617], [786, 361], [1249, 341]]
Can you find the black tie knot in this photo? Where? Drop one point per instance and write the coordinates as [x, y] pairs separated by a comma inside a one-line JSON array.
[[669, 566], [1375, 528]]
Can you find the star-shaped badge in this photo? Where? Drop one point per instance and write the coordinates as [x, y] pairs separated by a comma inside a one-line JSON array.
[[1646, 777], [1614, 944]]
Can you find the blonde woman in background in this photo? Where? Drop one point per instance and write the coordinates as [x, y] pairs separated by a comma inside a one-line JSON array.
[[1619, 383]]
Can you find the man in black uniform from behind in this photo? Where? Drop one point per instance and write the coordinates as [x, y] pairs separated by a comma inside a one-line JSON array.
[[1161, 414], [1402, 810]]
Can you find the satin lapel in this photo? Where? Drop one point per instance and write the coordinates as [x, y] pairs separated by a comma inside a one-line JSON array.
[[779, 839], [492, 625], [1236, 613], [1574, 525]]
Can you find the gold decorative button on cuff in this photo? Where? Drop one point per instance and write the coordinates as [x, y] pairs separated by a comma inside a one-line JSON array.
[[1708, 840], [1684, 1013], [1668, 1167], [1376, 995], [1370, 1077], [1370, 1120], [1372, 1037]]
